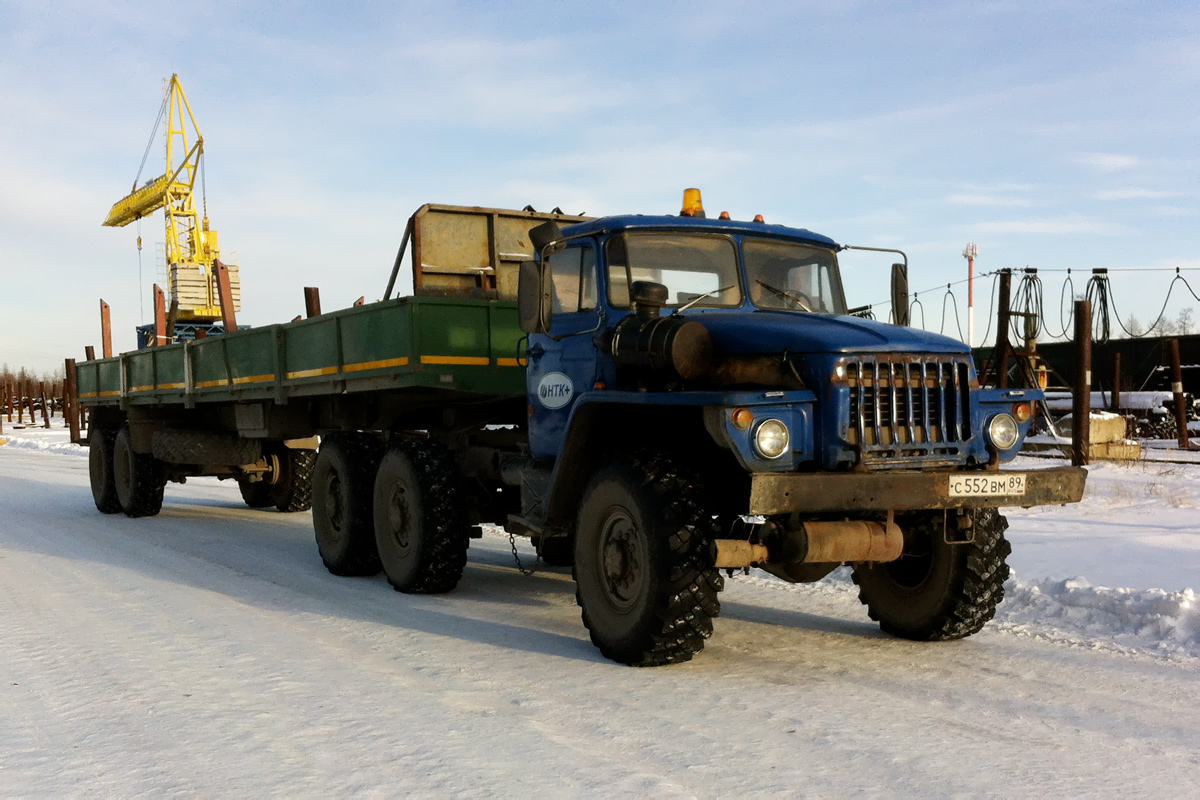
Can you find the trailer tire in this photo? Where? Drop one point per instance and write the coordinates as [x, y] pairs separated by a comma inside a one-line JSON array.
[[938, 591], [293, 490], [138, 478], [341, 503], [100, 470], [420, 527], [557, 551], [258, 494], [644, 573]]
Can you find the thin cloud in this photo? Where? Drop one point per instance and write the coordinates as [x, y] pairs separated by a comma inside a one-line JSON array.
[[986, 200], [1109, 162], [1053, 227], [1133, 194]]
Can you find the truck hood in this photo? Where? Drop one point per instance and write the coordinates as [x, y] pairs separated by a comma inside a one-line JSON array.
[[763, 331]]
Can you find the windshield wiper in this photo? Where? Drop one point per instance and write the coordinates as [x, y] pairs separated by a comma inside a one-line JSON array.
[[787, 296], [700, 297]]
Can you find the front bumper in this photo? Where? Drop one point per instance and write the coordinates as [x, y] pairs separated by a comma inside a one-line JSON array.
[[773, 493]]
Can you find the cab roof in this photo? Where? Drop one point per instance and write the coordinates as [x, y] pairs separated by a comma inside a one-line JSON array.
[[626, 222]]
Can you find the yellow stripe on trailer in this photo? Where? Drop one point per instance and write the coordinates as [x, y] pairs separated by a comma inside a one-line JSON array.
[[254, 379], [510, 362], [478, 361], [167, 386], [311, 373], [210, 384], [402, 361]]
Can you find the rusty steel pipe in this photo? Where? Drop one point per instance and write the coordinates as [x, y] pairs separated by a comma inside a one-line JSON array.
[[852, 540], [737, 553]]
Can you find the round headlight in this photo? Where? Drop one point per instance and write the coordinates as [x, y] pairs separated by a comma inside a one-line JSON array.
[[771, 438], [1003, 432]]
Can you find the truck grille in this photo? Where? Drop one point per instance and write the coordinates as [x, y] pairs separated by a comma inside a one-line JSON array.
[[908, 408]]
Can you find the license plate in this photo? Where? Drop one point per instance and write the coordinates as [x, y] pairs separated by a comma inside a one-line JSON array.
[[1007, 483]]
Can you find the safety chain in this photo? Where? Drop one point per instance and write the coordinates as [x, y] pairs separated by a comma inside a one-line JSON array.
[[512, 540]]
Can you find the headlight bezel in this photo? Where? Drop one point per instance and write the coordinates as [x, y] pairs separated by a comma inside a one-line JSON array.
[[1003, 440], [781, 430]]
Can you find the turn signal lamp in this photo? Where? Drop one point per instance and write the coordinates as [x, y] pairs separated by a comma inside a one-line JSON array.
[[1022, 411], [692, 205], [742, 417]]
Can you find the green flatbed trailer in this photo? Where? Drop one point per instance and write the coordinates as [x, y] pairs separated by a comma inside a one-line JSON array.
[[410, 346], [251, 404]]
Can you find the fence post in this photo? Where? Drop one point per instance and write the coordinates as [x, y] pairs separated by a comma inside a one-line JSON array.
[[1081, 414], [1172, 347], [1116, 383], [70, 401], [45, 405], [1000, 354]]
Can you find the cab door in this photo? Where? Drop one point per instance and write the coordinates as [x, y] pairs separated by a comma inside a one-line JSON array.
[[562, 365]]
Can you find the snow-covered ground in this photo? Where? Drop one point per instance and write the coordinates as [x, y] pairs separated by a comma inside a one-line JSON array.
[[206, 651]]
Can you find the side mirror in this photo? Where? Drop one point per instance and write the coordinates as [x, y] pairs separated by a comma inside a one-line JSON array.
[[535, 297], [900, 294]]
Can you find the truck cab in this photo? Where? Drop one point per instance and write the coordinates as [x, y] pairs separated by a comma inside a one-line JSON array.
[[720, 355]]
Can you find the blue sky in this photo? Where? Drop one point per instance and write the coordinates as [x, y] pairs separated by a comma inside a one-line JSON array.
[[1053, 134]]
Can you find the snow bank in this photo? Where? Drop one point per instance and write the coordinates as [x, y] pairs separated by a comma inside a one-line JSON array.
[[44, 443], [1164, 622]]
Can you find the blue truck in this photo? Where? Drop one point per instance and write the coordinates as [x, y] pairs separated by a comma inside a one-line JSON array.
[[697, 400]]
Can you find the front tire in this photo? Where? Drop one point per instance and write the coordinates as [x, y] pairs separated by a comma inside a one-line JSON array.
[[138, 478], [341, 503], [938, 591], [100, 470], [420, 528], [644, 573]]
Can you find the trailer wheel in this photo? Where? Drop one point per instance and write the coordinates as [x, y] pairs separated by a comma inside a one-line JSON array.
[[644, 571], [293, 490], [259, 494], [341, 503], [100, 470], [138, 478], [557, 551], [420, 528], [937, 591]]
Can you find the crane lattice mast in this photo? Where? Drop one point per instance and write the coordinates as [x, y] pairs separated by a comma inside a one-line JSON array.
[[191, 245]]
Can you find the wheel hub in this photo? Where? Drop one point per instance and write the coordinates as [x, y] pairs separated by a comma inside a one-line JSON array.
[[397, 514], [334, 511], [622, 561]]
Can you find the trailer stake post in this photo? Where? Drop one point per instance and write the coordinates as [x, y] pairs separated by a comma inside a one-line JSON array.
[[312, 301]]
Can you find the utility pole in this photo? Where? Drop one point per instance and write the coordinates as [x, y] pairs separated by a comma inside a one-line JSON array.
[[970, 252]]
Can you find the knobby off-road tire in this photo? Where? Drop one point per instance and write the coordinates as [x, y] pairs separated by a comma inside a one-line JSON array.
[[644, 572], [420, 527], [341, 503], [937, 591], [556, 552], [100, 470], [292, 491], [258, 494], [138, 478]]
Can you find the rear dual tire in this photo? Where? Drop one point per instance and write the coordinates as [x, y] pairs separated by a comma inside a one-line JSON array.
[[138, 478], [342, 479]]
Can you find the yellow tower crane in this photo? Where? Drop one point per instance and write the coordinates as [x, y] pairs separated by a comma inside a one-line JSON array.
[[191, 245]]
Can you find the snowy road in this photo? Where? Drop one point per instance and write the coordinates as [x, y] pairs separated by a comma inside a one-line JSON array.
[[207, 651]]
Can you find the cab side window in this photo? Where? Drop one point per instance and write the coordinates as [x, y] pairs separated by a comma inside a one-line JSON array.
[[573, 271]]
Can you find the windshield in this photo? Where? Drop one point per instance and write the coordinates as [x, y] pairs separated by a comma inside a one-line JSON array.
[[793, 277], [690, 265]]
